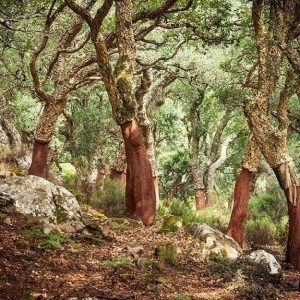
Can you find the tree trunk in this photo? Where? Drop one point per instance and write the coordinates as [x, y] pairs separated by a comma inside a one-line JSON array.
[[200, 199], [242, 194], [39, 166], [286, 175], [44, 132], [155, 182], [140, 191]]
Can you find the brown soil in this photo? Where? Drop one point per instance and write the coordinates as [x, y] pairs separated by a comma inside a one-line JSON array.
[[28, 271]]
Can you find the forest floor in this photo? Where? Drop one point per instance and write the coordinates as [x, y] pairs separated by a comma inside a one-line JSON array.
[[33, 266]]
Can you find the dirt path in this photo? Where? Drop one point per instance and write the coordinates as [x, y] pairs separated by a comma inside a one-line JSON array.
[[35, 267]]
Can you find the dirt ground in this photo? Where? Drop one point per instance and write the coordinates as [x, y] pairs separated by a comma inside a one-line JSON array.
[[34, 268]]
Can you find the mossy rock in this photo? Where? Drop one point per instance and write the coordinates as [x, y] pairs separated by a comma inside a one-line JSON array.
[[171, 224], [167, 253]]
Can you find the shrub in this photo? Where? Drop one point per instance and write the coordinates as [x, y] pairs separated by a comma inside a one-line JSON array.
[[260, 232], [282, 229], [267, 205], [213, 216], [179, 207], [111, 200]]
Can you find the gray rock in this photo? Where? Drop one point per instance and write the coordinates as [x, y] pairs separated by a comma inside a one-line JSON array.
[[216, 243], [266, 259], [53, 206], [24, 162]]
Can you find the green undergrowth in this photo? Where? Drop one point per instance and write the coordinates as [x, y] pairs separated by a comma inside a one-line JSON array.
[[118, 262], [213, 216], [38, 239]]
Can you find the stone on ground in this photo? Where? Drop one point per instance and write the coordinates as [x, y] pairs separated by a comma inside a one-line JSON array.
[[216, 243], [266, 259], [38, 199]]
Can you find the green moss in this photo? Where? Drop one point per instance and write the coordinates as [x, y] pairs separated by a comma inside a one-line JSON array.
[[171, 224], [118, 262], [168, 253]]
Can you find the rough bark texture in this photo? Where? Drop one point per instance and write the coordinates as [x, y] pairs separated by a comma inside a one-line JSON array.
[[39, 166], [293, 246], [273, 24], [215, 152], [242, 192], [119, 86], [140, 191], [43, 136]]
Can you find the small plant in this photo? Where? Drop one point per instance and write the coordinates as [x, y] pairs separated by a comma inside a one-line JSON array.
[[53, 240], [118, 262]]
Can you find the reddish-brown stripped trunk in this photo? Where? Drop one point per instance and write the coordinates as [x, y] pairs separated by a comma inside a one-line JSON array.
[[242, 194], [200, 199], [284, 174], [140, 191], [39, 166], [293, 245]]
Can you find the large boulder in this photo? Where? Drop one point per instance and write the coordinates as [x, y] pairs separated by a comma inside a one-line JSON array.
[[266, 259], [216, 243], [36, 198]]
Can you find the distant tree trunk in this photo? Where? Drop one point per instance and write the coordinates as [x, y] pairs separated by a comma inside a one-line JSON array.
[[118, 170], [119, 175], [140, 191], [44, 133]]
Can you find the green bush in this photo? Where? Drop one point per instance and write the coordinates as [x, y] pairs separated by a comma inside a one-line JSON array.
[[111, 200], [282, 230], [267, 205], [180, 208], [213, 216], [261, 232]]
